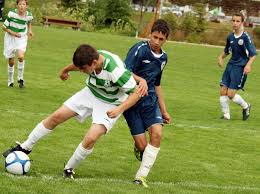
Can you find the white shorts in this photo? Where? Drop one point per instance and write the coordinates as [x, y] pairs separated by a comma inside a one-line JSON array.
[[13, 44], [85, 104]]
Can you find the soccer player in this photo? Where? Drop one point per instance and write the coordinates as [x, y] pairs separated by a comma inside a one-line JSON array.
[[111, 89], [146, 60], [17, 27], [238, 67]]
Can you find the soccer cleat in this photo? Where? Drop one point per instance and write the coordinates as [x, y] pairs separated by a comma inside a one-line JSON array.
[[11, 85], [16, 148], [138, 154], [21, 83], [68, 173], [224, 118], [246, 112], [141, 181]]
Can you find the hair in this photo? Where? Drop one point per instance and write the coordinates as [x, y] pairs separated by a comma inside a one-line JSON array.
[[161, 26], [84, 55], [17, 1], [240, 15]]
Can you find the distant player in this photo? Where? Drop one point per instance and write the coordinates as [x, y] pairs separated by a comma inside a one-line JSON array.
[[17, 27], [238, 67], [146, 60], [111, 89]]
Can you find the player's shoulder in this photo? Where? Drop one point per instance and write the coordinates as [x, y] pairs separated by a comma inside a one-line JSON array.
[[12, 12], [246, 36], [28, 12]]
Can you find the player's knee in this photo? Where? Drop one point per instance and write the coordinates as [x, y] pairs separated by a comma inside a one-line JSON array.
[[156, 136], [11, 62], [20, 58]]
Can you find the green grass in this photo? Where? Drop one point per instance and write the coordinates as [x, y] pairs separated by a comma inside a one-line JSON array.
[[199, 153]]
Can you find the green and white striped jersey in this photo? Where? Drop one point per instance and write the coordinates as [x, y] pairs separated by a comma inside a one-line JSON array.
[[18, 23], [114, 83]]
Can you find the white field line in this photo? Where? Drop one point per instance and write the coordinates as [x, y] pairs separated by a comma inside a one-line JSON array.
[[129, 182]]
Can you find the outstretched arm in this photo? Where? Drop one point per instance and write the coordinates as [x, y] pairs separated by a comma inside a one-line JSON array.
[[30, 33], [166, 116], [64, 74]]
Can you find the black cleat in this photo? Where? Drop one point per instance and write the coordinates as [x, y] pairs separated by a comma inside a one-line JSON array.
[[246, 112], [16, 148], [11, 85], [68, 173], [21, 83], [138, 154]]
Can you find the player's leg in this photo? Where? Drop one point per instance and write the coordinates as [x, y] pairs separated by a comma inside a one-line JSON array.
[[140, 144], [42, 129], [20, 67], [224, 102], [11, 72], [238, 79], [223, 99], [152, 119], [101, 124], [84, 149]]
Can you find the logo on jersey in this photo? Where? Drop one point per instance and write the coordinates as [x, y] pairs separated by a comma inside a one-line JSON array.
[[107, 83], [231, 42], [146, 61], [240, 41]]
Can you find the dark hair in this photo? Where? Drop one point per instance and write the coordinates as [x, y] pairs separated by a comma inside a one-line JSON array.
[[161, 26], [240, 15], [84, 55], [17, 1]]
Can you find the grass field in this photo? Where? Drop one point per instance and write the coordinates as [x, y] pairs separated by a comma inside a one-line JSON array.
[[199, 153]]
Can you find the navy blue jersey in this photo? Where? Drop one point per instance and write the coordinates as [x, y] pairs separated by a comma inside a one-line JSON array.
[[241, 47], [142, 61]]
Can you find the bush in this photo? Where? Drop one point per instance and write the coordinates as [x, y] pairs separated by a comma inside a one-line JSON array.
[[172, 21]]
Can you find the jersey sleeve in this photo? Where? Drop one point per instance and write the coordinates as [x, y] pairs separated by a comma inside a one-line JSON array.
[[123, 78], [227, 47], [7, 21], [250, 46], [133, 58]]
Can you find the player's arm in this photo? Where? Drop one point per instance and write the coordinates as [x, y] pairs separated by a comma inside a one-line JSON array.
[[30, 33], [252, 54], [166, 116], [11, 32], [142, 84], [224, 53], [130, 101], [64, 74]]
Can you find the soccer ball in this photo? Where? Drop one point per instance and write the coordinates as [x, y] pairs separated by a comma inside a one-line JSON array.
[[18, 163]]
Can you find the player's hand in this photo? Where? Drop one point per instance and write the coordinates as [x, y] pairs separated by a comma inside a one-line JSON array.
[[166, 118], [247, 69], [142, 87], [113, 113], [220, 62], [30, 34], [64, 75], [17, 35]]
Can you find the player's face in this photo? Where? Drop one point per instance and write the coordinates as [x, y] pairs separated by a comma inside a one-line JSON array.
[[237, 23], [22, 6], [157, 40]]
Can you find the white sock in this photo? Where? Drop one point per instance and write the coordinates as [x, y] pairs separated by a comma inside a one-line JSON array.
[[80, 154], [10, 74], [37, 133], [240, 101], [224, 103], [149, 157], [20, 68]]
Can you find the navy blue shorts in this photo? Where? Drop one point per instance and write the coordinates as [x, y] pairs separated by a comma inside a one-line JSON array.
[[143, 115], [233, 77]]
